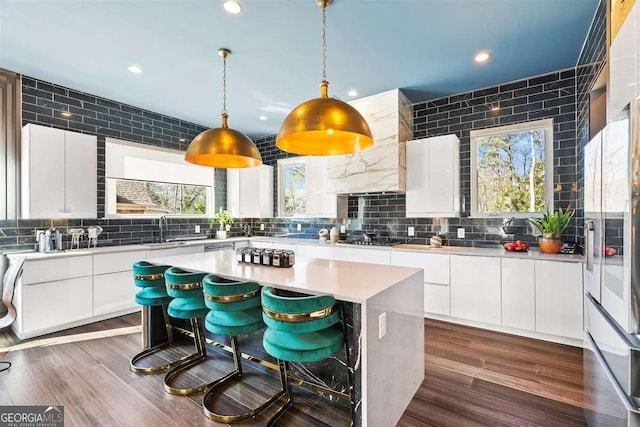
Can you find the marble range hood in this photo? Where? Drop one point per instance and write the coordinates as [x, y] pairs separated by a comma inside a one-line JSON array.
[[380, 168]]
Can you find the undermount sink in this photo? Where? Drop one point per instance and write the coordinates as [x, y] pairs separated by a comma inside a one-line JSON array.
[[416, 246], [164, 244]]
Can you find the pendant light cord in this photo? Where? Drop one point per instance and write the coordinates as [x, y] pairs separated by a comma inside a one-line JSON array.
[[324, 43], [224, 84]]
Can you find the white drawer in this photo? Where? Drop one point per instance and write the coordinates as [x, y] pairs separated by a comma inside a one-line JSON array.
[[48, 270], [436, 266], [116, 262], [48, 305]]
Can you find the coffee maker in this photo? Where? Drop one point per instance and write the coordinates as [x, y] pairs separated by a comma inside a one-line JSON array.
[[49, 240]]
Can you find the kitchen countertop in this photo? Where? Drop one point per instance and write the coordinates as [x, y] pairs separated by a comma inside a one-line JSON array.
[[123, 248], [533, 253], [308, 275]]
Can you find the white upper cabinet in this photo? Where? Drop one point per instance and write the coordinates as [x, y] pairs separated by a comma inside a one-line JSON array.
[[433, 177], [623, 58], [59, 173], [320, 198], [250, 192]]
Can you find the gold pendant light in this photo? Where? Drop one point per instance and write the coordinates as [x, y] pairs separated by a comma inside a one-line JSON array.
[[223, 147], [324, 126]]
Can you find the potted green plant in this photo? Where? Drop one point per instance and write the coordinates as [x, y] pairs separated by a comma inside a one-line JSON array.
[[552, 225], [222, 217]]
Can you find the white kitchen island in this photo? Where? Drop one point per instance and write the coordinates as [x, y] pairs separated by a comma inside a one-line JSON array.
[[388, 370]]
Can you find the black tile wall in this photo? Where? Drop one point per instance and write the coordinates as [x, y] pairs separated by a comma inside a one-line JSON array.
[[561, 95], [43, 103], [551, 95]]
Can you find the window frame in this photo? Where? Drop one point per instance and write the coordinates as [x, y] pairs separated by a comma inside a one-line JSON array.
[[282, 164], [110, 182], [474, 135]]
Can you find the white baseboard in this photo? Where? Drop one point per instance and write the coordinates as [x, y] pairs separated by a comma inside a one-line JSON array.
[[507, 330]]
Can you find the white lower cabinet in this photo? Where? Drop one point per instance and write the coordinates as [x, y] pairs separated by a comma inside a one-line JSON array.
[[49, 304], [436, 278], [370, 256], [315, 251], [559, 305], [113, 292], [475, 288], [518, 293], [113, 288], [52, 292]]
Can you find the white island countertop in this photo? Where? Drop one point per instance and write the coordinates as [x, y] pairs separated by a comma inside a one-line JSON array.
[[346, 281]]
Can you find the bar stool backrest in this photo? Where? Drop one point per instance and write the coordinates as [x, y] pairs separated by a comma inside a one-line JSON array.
[[298, 314], [147, 275], [230, 295], [183, 284]]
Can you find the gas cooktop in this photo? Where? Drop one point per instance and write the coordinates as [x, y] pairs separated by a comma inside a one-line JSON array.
[[368, 243]]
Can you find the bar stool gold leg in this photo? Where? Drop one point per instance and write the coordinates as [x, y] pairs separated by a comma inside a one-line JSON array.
[[156, 348], [236, 373], [286, 389], [187, 362]]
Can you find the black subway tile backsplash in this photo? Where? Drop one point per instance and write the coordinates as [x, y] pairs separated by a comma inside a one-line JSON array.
[[561, 95]]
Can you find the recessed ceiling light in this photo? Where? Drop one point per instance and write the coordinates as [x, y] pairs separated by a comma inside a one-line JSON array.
[[65, 114], [263, 117], [232, 7], [135, 69], [482, 57], [183, 139], [353, 93]]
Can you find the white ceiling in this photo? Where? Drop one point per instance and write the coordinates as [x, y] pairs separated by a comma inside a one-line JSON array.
[[423, 46]]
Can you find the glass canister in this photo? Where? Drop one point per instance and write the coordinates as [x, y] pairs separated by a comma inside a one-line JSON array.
[[240, 254], [277, 258], [248, 255], [266, 256], [256, 255], [292, 258]]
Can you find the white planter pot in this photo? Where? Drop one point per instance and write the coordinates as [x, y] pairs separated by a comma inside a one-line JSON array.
[[221, 234]]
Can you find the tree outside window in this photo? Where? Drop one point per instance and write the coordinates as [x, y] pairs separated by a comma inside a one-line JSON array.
[[511, 166], [294, 189]]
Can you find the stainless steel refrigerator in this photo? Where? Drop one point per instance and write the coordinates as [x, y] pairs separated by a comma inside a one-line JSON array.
[[612, 273]]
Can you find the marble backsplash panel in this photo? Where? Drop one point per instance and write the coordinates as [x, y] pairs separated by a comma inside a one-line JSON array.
[[381, 167]]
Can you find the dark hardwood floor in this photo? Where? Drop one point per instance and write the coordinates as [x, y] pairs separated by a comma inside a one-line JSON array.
[[473, 377]]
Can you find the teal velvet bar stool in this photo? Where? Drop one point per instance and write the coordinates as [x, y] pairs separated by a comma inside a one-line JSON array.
[[188, 303], [150, 277], [235, 310], [302, 328]]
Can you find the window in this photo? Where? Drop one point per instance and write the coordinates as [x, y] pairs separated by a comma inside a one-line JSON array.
[[159, 198], [291, 187], [512, 169], [146, 180]]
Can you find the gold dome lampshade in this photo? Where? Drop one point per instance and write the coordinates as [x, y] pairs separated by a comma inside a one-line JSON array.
[[223, 147], [324, 126]]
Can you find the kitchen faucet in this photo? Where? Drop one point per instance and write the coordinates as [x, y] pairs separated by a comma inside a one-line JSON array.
[[162, 222]]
